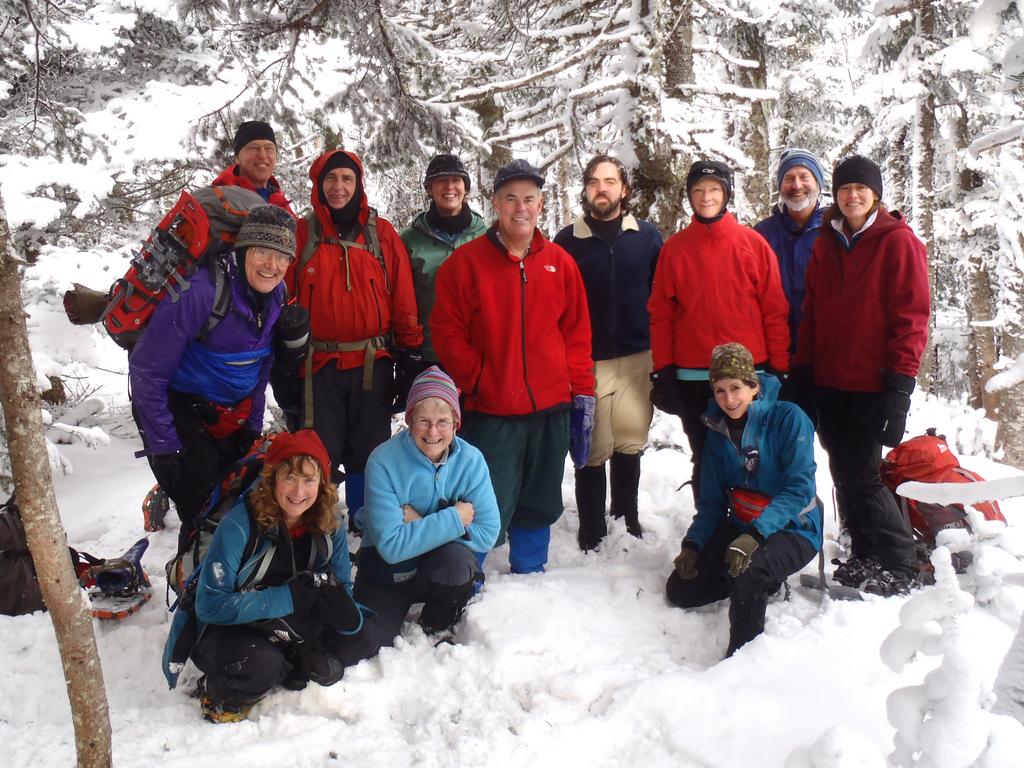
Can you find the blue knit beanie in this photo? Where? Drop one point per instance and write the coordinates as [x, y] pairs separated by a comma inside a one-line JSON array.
[[795, 156]]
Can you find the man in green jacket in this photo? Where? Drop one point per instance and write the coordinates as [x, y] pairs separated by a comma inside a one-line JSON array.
[[430, 239]]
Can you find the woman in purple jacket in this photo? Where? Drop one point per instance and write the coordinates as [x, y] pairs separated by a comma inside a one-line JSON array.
[[198, 394]]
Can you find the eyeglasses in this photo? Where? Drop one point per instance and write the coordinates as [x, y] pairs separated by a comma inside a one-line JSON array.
[[265, 255], [442, 425]]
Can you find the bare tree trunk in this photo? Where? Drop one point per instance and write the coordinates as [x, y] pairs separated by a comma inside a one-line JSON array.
[[758, 189], [982, 352], [660, 175], [922, 192], [47, 541]]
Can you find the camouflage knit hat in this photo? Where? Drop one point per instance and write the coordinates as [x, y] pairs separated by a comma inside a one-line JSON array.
[[268, 226], [732, 361]]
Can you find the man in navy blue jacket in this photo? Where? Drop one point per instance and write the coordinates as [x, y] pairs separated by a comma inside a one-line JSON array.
[[616, 254], [794, 225]]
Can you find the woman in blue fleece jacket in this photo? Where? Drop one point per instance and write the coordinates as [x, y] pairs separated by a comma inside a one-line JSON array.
[[758, 519], [430, 516], [274, 600]]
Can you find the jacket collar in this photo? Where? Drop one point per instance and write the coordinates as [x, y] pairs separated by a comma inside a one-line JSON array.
[[581, 230]]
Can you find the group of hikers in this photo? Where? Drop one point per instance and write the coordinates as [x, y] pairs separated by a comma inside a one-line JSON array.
[[506, 351]]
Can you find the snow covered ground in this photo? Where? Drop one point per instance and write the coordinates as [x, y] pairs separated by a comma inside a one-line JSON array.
[[585, 665]]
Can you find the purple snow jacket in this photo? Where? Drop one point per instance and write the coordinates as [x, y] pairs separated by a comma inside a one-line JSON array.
[[232, 363]]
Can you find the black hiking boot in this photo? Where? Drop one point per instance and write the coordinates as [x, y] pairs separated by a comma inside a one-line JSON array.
[[219, 712], [591, 489], [625, 480], [890, 583], [444, 606], [856, 570]]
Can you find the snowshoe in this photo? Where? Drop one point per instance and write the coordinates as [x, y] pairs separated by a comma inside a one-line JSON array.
[[220, 712], [118, 587], [155, 507], [888, 583], [834, 590]]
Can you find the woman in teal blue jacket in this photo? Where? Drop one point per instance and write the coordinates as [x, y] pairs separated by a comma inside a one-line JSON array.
[[273, 601], [758, 520], [430, 516]]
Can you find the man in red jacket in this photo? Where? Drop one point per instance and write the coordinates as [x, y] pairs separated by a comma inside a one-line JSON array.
[[255, 160], [864, 329], [717, 282], [511, 326], [352, 273]]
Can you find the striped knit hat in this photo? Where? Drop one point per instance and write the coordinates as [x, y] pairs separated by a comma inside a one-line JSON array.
[[268, 226], [433, 382]]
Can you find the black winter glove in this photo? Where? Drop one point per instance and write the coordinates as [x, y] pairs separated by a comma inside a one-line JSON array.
[[801, 390], [292, 336], [304, 595], [785, 384], [168, 472], [336, 608], [408, 365], [895, 405], [665, 391]]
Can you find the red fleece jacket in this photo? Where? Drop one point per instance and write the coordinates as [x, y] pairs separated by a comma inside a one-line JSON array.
[[717, 283], [515, 335]]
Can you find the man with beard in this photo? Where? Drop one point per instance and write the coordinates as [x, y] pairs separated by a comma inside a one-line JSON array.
[[446, 224], [793, 226], [616, 254], [353, 276]]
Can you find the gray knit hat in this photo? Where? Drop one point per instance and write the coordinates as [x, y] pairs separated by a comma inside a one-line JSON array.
[[268, 226], [732, 361]]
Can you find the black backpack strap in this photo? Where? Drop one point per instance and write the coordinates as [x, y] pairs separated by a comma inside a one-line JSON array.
[[221, 301]]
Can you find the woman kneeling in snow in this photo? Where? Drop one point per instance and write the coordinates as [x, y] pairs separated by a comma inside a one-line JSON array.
[[758, 520], [275, 591], [430, 516]]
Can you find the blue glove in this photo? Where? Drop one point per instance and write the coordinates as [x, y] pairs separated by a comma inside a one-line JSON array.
[[581, 425]]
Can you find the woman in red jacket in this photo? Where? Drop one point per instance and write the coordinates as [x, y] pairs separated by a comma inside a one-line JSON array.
[[716, 282], [864, 331]]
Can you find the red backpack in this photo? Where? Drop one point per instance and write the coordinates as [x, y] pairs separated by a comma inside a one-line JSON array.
[[200, 228], [929, 459]]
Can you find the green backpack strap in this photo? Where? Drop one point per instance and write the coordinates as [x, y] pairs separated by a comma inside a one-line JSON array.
[[370, 231], [221, 301]]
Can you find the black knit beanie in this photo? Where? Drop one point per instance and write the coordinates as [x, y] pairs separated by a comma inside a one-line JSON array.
[[344, 218], [445, 165], [857, 169], [252, 130]]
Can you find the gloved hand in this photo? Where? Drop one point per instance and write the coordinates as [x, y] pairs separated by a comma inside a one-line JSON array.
[[665, 390], [801, 390], [742, 548], [292, 335], [581, 427], [686, 561], [785, 383], [895, 405], [336, 608], [304, 594], [408, 365], [168, 472]]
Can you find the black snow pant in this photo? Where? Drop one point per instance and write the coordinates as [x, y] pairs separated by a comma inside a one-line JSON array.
[[694, 396], [204, 459], [442, 579], [781, 555], [240, 663], [848, 426], [350, 421]]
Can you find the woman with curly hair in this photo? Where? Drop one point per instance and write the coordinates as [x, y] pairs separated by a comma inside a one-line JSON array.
[[275, 589]]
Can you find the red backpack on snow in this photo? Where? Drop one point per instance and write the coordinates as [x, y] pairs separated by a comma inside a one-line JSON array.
[[928, 459]]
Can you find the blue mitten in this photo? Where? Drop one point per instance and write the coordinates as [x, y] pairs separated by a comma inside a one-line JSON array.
[[581, 425]]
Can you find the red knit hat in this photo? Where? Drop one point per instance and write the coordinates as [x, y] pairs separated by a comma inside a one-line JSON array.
[[305, 442]]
